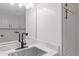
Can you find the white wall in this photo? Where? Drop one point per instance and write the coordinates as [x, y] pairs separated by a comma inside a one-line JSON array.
[[31, 24], [77, 28], [49, 22]]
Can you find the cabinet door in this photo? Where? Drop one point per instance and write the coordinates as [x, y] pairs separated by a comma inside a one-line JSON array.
[[69, 6], [68, 34], [13, 21], [4, 23], [16, 21], [21, 22]]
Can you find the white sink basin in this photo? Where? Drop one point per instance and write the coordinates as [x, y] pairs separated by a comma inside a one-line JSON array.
[[33, 51]]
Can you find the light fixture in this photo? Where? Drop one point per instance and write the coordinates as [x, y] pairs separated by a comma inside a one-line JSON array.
[[20, 5], [11, 3], [29, 5]]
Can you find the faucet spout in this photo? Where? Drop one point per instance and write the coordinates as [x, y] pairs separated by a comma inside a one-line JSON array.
[[22, 42], [19, 35]]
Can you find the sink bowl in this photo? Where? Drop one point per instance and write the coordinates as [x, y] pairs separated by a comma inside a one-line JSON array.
[[33, 51]]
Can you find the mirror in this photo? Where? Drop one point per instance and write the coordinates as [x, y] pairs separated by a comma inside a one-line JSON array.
[[12, 16], [19, 17]]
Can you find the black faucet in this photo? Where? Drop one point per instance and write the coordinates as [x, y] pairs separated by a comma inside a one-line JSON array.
[[22, 41], [19, 35]]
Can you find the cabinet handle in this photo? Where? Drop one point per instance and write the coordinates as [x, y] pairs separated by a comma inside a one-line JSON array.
[[66, 14], [9, 26], [66, 4]]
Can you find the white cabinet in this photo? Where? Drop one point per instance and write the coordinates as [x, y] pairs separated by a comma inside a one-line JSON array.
[[12, 21], [4, 23], [17, 22]]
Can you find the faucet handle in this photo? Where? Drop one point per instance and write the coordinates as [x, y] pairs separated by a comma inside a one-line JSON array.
[[16, 31], [25, 33], [24, 43]]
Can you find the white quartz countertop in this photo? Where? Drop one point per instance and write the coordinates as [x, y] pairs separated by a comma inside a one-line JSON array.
[[51, 51]]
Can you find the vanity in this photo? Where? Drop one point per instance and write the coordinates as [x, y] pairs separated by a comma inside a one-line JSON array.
[[37, 49]]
